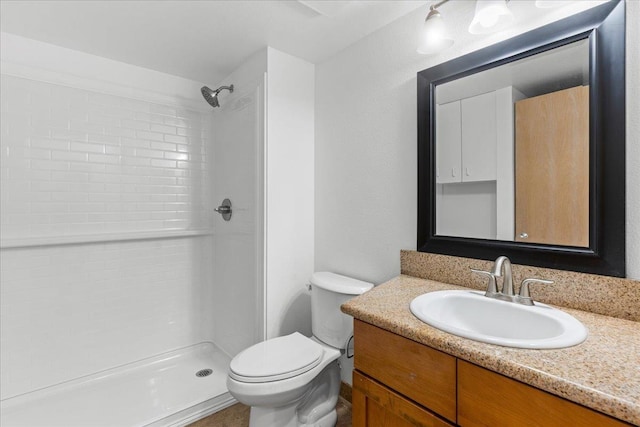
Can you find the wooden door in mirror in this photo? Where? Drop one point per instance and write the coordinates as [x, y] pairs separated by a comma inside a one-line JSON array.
[[552, 168]]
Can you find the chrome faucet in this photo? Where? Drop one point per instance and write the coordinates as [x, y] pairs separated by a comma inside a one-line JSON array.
[[523, 296], [503, 263], [502, 268]]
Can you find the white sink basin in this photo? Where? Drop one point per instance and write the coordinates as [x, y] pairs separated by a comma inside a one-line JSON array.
[[470, 314]]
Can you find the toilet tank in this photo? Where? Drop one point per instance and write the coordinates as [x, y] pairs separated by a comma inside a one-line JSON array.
[[328, 292]]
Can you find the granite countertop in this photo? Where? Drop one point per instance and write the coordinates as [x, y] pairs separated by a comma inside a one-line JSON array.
[[602, 373]]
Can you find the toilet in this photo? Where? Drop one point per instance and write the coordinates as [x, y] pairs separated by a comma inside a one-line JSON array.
[[293, 380]]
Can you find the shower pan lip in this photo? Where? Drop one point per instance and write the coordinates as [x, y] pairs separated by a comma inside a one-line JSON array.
[[201, 395]]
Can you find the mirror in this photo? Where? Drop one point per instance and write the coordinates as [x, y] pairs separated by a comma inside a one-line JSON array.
[[521, 148], [502, 138]]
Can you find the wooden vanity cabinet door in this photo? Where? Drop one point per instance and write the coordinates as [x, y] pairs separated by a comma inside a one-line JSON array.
[[424, 375], [377, 406], [489, 399]]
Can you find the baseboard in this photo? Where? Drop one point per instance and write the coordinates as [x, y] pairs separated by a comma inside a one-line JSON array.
[[345, 391]]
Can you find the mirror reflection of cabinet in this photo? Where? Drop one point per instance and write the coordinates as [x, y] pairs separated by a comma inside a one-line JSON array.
[[479, 138], [552, 168], [466, 140], [474, 166], [448, 143]]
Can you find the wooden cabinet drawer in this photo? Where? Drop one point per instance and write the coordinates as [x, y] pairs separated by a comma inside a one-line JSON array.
[[374, 405], [422, 374], [486, 398]]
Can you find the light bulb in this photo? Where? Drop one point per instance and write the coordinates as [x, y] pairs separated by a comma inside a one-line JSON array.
[[434, 36], [490, 16]]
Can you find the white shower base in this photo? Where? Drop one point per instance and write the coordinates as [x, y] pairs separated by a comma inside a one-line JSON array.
[[161, 391]]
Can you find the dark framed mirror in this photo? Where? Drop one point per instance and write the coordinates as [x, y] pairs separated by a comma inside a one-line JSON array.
[[487, 185]]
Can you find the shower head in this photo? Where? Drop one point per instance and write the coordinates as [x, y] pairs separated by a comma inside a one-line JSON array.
[[211, 96]]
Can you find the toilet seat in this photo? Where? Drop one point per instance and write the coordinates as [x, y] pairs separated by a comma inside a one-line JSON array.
[[276, 359]]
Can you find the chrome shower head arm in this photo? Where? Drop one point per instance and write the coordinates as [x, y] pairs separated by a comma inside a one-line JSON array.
[[229, 88]]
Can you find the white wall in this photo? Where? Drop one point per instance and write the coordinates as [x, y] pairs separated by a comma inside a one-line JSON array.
[[506, 182], [467, 209], [289, 192], [105, 241], [238, 174], [366, 144], [263, 161]]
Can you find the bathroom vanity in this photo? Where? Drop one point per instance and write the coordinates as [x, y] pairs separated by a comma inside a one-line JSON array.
[[408, 373]]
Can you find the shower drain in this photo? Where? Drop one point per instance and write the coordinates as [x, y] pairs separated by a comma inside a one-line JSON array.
[[204, 373]]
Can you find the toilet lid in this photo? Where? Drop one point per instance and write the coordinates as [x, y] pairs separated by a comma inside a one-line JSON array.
[[276, 359]]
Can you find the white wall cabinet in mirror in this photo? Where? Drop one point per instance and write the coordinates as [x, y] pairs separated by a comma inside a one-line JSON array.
[[474, 166], [479, 137], [448, 143], [466, 140]]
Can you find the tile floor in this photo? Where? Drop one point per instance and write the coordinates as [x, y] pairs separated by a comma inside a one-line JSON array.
[[238, 416]]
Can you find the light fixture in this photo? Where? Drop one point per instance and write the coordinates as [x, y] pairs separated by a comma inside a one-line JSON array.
[[490, 16], [434, 36]]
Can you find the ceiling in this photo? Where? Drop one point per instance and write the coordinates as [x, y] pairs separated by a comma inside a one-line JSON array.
[[200, 40], [545, 72]]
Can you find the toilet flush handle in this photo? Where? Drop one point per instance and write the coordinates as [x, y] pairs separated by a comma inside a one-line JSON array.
[[346, 349]]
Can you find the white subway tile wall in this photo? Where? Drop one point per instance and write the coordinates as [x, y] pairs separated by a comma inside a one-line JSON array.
[[79, 162], [76, 162]]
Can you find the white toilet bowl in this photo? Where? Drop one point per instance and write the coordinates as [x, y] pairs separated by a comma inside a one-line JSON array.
[[294, 381], [288, 381]]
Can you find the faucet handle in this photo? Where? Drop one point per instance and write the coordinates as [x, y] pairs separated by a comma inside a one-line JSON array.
[[492, 288], [524, 295]]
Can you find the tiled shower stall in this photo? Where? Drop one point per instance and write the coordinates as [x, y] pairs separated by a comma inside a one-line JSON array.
[[116, 272]]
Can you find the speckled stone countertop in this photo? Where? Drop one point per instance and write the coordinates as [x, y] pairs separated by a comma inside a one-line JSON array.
[[602, 373]]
